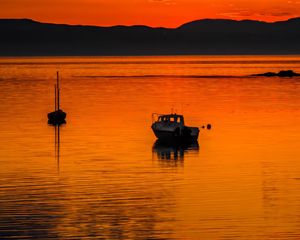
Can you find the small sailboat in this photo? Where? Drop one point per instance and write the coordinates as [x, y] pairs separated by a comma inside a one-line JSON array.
[[58, 116]]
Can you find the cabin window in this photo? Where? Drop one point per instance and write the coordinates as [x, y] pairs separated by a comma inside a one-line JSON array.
[[162, 119], [176, 119], [173, 119]]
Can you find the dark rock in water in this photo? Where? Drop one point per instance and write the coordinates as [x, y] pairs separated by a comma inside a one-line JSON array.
[[283, 73], [288, 73], [267, 74]]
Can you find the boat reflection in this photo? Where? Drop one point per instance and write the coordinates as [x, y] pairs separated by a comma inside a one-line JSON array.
[[57, 144], [172, 153]]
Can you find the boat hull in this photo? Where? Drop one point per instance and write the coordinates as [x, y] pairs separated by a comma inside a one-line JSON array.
[[187, 135], [57, 117]]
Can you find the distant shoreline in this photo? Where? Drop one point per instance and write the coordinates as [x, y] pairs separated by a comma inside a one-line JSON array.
[[25, 37], [153, 55]]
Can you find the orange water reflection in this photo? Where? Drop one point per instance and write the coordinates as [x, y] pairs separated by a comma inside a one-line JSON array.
[[242, 183]]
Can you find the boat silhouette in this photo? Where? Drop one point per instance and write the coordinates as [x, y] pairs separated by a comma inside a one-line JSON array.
[[58, 116], [171, 128]]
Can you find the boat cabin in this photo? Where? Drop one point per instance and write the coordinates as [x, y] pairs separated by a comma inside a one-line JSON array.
[[172, 118]]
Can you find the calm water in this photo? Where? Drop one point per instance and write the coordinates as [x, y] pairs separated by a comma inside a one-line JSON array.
[[112, 181]]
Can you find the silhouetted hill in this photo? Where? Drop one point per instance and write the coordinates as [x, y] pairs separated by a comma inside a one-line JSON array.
[[209, 36]]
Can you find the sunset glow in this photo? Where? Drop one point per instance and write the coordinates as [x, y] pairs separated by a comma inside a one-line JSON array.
[[166, 13]]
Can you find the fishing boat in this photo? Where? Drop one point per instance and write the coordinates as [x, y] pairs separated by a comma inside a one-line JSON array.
[[171, 127], [58, 116]]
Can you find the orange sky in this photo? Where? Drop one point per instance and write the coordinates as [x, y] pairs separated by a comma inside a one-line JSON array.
[[167, 13]]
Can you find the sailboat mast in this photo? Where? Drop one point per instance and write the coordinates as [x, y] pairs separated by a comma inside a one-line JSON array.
[[57, 87], [55, 106]]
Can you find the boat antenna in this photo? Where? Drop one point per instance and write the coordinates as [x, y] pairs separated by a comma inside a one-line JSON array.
[[57, 87]]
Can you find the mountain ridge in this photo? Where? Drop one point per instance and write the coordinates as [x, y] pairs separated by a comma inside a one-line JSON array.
[[29, 20], [27, 37]]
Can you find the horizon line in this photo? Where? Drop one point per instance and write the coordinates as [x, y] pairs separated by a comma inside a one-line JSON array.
[[142, 25]]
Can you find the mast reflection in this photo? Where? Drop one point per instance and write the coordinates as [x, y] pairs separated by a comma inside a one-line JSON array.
[[57, 144], [173, 153]]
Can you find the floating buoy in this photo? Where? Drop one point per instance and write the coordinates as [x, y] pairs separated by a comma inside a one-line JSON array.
[[208, 126]]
